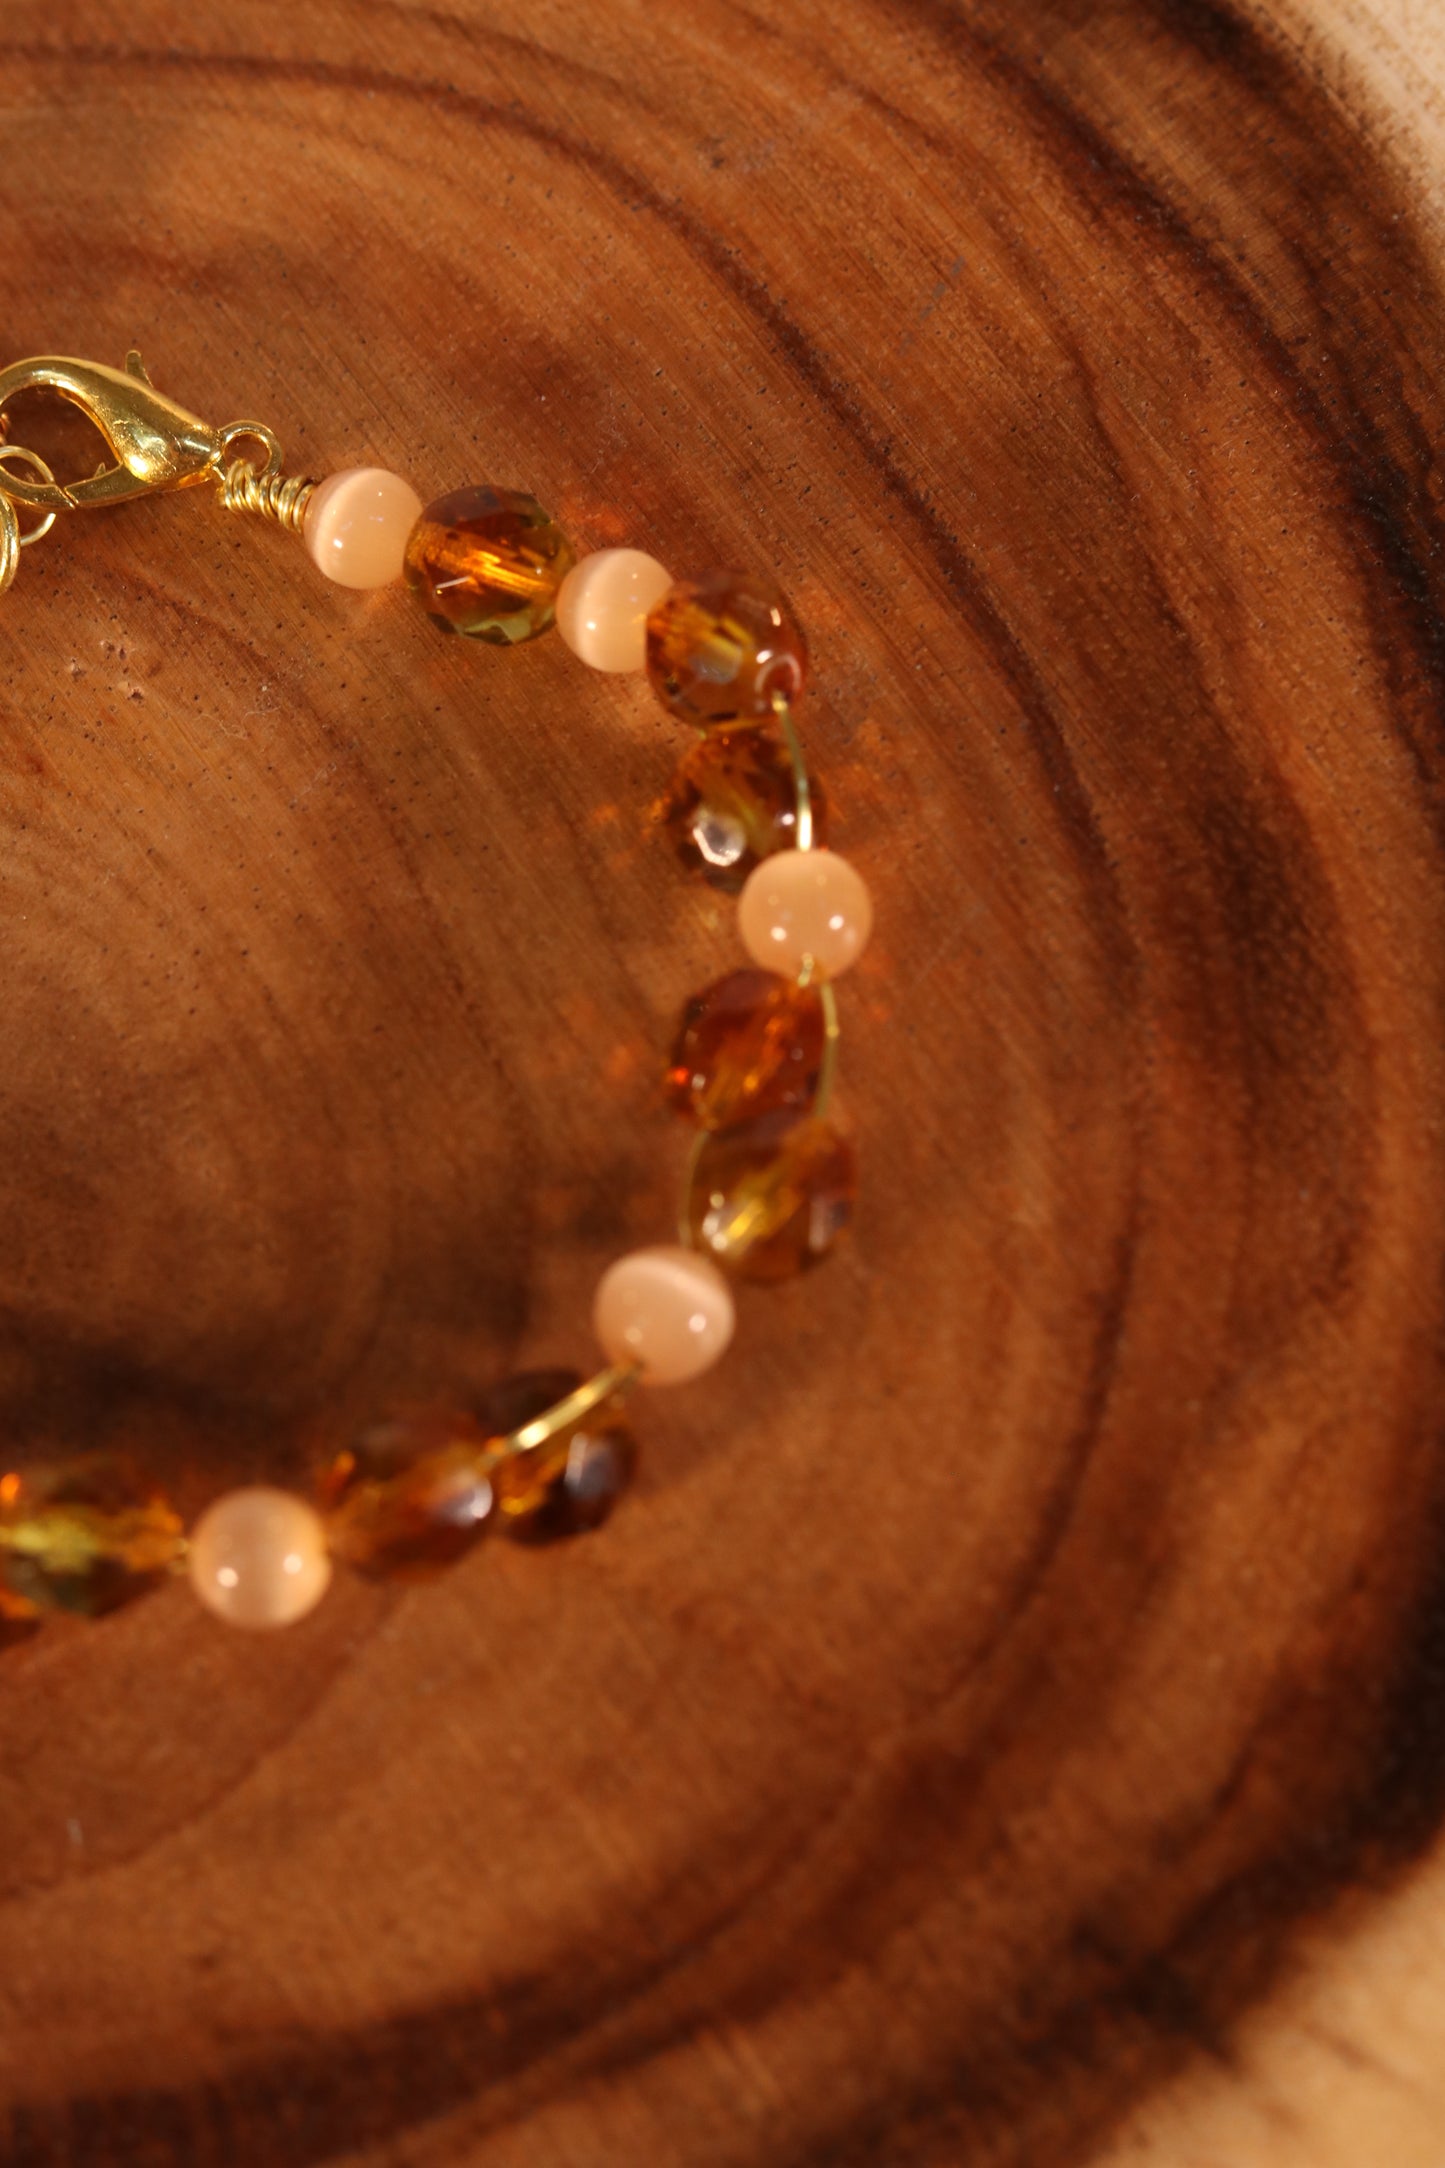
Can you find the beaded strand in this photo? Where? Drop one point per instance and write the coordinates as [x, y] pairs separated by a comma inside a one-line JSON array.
[[771, 1176]]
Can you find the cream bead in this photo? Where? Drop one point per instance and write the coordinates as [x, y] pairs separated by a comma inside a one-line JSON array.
[[603, 604], [258, 1558], [356, 525], [666, 1309], [799, 907]]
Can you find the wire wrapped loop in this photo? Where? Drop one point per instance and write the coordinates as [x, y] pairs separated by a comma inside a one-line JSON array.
[[279, 497]]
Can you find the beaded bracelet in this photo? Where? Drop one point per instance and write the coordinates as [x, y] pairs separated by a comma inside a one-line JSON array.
[[771, 1176]]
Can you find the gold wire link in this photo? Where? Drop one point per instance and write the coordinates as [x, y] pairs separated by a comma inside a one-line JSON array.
[[279, 497], [833, 1032], [564, 1413], [689, 1176], [803, 801], [802, 789]]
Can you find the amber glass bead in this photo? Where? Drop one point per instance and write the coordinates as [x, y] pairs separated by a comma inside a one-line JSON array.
[[85, 1537], [771, 1197], [571, 1483], [578, 1489], [410, 1497], [749, 1044], [733, 802], [722, 647], [488, 563]]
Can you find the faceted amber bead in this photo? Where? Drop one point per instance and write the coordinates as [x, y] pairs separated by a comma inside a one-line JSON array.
[[733, 802], [84, 1537], [770, 1198], [411, 1496], [571, 1483], [576, 1492], [488, 563], [749, 1044], [720, 648]]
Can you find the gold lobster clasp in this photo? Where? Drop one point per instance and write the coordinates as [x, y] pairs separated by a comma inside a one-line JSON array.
[[156, 444]]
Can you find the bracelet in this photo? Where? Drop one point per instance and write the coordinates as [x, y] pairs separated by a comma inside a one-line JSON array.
[[771, 1177]]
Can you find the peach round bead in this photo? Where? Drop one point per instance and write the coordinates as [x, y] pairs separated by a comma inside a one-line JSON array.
[[603, 605], [667, 1310], [356, 525], [258, 1558], [805, 907]]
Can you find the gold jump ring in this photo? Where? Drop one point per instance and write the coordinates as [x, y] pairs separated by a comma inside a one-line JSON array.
[[12, 541]]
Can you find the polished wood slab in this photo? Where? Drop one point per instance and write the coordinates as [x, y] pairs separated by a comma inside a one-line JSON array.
[[1030, 1644]]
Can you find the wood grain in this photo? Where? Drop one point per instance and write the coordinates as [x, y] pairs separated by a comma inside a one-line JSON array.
[[1039, 1628]]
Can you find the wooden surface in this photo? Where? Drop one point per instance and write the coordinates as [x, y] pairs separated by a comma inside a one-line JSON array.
[[1007, 1726]]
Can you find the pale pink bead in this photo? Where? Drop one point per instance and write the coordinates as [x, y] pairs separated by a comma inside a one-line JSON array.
[[602, 607], [357, 523], [258, 1558], [801, 907], [668, 1310]]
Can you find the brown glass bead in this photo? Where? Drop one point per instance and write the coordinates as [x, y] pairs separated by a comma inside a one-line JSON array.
[[749, 1044], [721, 648], [771, 1197], [87, 1537], [411, 1496], [733, 802], [578, 1490], [570, 1483], [488, 563]]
